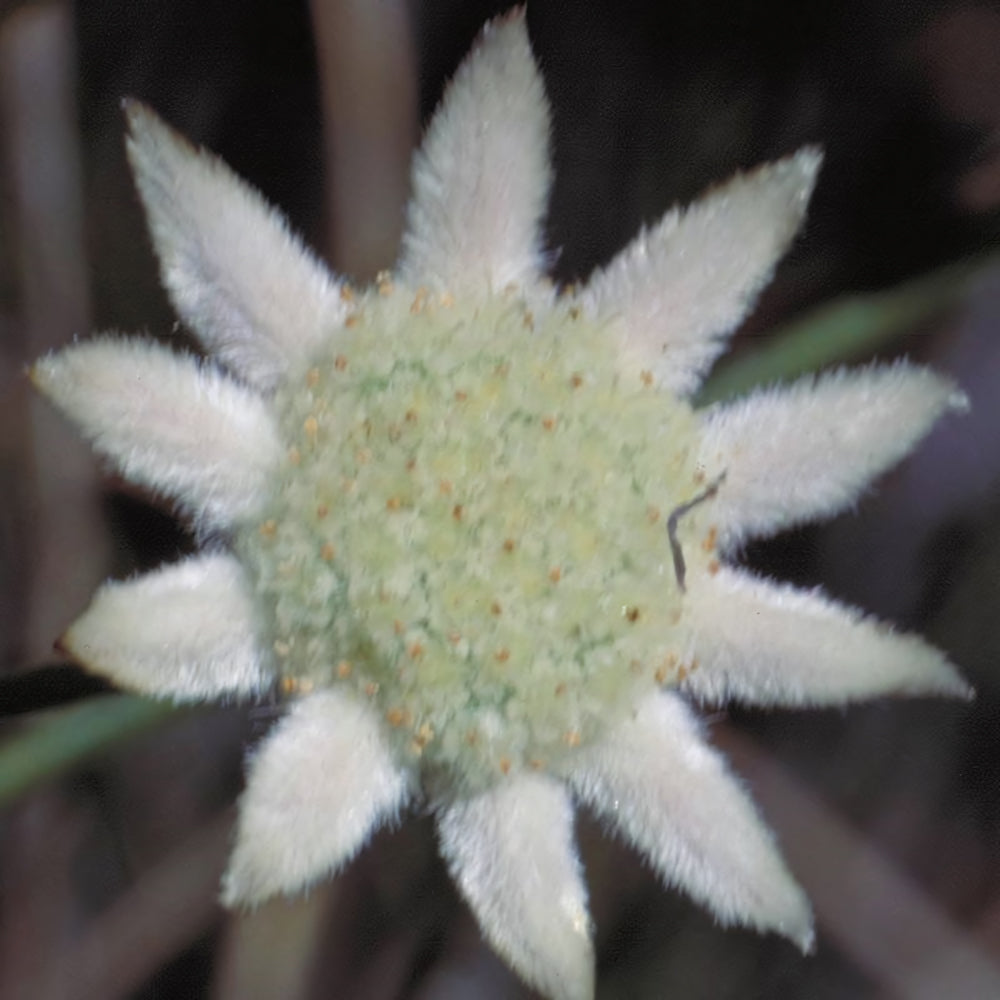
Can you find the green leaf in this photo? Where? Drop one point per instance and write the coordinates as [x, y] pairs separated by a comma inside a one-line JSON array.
[[60, 740], [848, 329]]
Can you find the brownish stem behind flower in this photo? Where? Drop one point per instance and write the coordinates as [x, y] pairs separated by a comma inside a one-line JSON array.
[[368, 95], [52, 523]]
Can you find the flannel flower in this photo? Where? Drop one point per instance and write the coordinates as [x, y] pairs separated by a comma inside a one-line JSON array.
[[474, 530]]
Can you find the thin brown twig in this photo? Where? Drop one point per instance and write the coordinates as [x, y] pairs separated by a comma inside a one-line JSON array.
[[881, 919]]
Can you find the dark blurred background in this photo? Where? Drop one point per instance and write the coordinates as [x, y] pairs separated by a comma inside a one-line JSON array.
[[889, 813]]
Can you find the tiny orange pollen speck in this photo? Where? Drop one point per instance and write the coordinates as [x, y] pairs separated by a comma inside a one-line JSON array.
[[571, 738], [371, 689], [340, 362], [393, 503], [269, 528], [709, 542], [419, 301], [456, 512], [713, 567], [398, 627], [312, 378], [555, 574], [576, 380], [352, 321], [311, 426], [495, 608], [327, 552], [560, 689], [505, 765], [461, 395], [502, 655], [646, 377], [397, 717], [322, 510], [344, 669], [446, 299], [548, 423], [346, 293], [294, 455], [653, 514], [508, 545], [415, 651]]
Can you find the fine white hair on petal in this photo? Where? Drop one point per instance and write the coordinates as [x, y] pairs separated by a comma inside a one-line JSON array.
[[167, 422], [512, 853], [481, 178], [321, 784], [254, 295], [657, 782], [185, 632], [806, 451], [764, 643], [678, 289]]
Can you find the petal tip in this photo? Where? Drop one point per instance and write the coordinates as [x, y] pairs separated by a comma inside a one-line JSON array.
[[803, 937], [959, 402], [44, 373]]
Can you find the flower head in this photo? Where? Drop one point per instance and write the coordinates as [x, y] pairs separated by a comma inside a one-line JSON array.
[[477, 531]]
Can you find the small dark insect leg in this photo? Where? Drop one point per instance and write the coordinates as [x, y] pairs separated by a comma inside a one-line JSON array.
[[680, 568]]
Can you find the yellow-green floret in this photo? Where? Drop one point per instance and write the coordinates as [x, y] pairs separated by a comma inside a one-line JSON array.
[[469, 530]]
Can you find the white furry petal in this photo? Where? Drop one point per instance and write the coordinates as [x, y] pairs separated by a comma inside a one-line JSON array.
[[678, 289], [512, 854], [167, 422], [185, 632], [807, 451], [320, 785], [236, 275], [763, 643], [671, 796], [481, 178]]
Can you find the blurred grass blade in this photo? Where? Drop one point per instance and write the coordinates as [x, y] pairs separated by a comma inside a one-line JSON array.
[[847, 329], [60, 740]]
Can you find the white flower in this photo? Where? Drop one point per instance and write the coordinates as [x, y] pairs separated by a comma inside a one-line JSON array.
[[478, 530]]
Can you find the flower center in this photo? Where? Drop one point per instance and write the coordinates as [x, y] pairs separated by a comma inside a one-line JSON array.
[[469, 530]]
